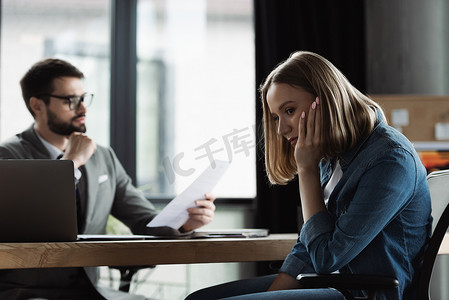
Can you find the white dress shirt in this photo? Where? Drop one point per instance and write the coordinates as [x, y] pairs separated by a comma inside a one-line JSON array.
[[335, 178]]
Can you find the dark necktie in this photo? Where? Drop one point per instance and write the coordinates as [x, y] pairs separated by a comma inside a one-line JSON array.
[[80, 199]]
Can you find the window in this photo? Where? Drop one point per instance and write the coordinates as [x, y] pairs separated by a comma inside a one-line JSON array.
[[195, 94], [195, 82], [74, 30]]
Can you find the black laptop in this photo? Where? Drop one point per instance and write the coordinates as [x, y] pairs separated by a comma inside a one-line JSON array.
[[37, 201]]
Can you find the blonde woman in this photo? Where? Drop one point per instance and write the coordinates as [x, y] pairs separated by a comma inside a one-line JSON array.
[[364, 195]]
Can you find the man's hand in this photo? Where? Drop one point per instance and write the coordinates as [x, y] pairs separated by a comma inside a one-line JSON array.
[[200, 215], [79, 149]]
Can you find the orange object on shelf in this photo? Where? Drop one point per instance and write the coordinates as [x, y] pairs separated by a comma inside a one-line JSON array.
[[434, 160]]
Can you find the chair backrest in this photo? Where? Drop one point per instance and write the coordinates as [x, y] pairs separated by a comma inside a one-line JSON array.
[[439, 192]]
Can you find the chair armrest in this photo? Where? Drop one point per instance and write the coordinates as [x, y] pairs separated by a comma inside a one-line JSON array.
[[127, 273], [347, 281]]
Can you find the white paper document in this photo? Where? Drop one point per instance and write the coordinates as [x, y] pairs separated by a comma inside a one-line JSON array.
[[175, 213]]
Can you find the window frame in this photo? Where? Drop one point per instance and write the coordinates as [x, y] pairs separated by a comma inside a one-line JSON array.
[[123, 83]]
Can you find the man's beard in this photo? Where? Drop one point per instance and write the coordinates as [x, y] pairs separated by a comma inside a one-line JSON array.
[[59, 127]]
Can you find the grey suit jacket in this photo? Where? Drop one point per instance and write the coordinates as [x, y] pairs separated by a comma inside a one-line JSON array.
[[109, 191]]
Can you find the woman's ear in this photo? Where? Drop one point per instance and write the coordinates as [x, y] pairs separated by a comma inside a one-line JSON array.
[[36, 105]]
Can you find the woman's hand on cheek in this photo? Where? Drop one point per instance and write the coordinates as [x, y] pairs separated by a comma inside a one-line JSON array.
[[308, 147]]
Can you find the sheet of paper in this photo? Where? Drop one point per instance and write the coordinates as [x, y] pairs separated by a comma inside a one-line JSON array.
[[175, 213]]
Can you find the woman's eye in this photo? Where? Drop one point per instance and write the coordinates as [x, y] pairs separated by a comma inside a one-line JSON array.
[[290, 111], [275, 118]]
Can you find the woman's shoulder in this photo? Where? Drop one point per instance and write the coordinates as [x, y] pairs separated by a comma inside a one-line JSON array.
[[386, 137], [384, 144]]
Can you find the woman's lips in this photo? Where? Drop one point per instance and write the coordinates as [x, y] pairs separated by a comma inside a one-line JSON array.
[[292, 141]]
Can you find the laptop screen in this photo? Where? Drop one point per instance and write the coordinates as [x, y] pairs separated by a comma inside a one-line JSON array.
[[37, 201]]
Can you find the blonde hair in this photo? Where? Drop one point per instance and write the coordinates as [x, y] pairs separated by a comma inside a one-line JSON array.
[[347, 115]]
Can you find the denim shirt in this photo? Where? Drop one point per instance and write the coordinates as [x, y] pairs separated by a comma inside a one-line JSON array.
[[378, 217]]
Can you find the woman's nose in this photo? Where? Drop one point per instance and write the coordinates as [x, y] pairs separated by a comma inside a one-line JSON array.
[[283, 128]]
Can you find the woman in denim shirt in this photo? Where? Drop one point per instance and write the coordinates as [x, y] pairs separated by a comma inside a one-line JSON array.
[[364, 194]]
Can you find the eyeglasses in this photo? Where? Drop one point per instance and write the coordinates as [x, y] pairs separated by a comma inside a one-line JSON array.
[[74, 101]]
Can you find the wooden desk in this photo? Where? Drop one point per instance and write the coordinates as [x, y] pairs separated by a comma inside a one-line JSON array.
[[151, 252], [148, 252]]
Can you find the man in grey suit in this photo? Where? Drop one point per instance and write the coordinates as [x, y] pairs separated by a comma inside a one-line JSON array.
[[53, 93]]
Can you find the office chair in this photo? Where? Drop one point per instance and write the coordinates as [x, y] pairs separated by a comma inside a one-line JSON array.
[[127, 276], [114, 226], [439, 191]]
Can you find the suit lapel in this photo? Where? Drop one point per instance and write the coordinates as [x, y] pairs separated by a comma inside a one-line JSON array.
[[91, 174]]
